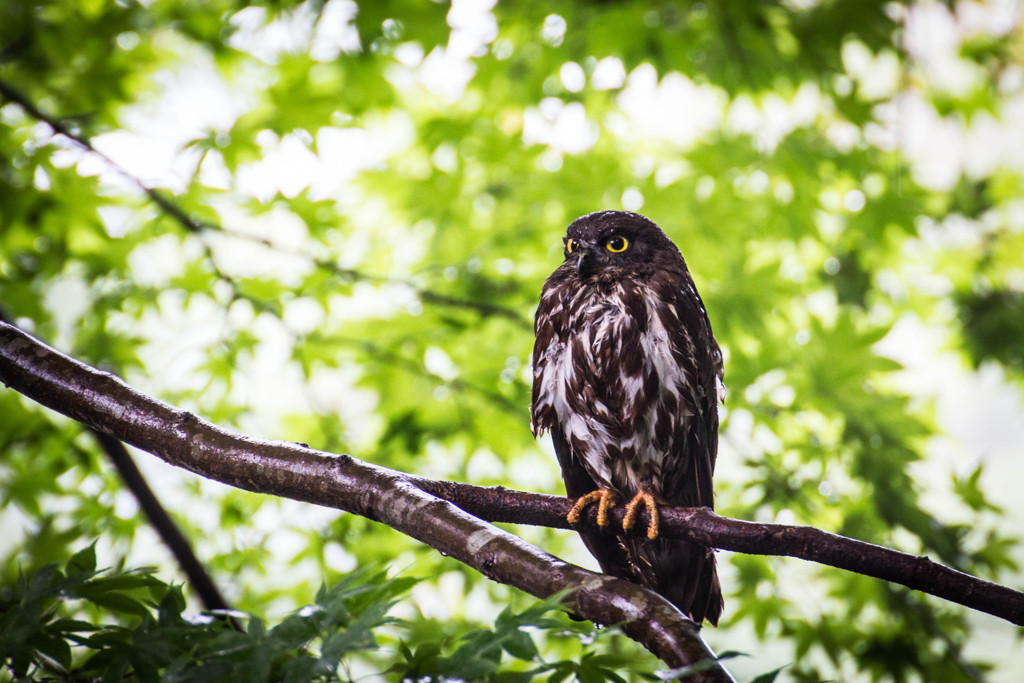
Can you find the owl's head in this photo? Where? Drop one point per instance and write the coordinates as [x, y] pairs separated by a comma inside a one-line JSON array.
[[615, 240]]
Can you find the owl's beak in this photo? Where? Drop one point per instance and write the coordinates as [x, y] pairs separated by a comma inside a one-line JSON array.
[[580, 260], [586, 263]]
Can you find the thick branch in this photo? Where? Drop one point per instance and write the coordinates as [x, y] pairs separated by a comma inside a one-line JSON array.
[[701, 525], [104, 402]]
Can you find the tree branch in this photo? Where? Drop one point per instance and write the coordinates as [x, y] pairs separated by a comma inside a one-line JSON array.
[[165, 527], [701, 525], [104, 402]]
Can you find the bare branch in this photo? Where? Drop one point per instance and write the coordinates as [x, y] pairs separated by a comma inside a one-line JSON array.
[[165, 527], [104, 402], [701, 525]]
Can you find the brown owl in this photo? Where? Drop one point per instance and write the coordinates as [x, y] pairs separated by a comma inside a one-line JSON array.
[[627, 377]]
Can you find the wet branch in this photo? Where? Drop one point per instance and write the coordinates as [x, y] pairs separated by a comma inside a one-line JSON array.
[[104, 402]]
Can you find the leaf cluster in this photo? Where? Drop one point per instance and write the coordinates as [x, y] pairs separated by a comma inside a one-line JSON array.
[[78, 623]]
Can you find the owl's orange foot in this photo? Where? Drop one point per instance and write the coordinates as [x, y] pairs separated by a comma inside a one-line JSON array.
[[633, 507], [605, 499]]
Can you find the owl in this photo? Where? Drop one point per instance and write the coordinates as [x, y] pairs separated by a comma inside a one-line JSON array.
[[627, 377]]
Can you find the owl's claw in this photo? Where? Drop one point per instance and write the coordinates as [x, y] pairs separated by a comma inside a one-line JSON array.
[[633, 507], [605, 499]]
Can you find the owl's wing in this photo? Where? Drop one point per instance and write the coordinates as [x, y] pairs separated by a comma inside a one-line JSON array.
[[688, 475], [609, 548], [681, 571]]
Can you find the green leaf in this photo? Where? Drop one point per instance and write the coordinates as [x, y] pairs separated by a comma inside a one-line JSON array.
[[768, 676], [84, 561]]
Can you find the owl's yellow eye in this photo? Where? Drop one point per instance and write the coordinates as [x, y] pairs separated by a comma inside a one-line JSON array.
[[616, 244], [571, 244]]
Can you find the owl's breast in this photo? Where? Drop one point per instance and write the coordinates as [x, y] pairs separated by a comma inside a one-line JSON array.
[[607, 377]]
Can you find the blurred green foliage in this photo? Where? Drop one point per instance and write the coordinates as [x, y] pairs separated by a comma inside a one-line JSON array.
[[380, 191], [152, 638]]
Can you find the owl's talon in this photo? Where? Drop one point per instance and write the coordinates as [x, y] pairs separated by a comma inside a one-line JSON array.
[[633, 508], [605, 499]]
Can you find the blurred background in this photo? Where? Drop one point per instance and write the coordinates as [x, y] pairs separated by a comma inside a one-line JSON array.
[[329, 222]]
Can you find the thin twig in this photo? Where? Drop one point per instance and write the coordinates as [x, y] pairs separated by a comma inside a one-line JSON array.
[[169, 207], [386, 357], [484, 308]]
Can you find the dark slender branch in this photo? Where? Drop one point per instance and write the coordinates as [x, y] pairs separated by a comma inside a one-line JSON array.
[[161, 521], [701, 525], [169, 207], [157, 516], [104, 402]]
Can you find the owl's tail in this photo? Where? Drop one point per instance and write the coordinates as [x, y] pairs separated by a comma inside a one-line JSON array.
[[684, 573]]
